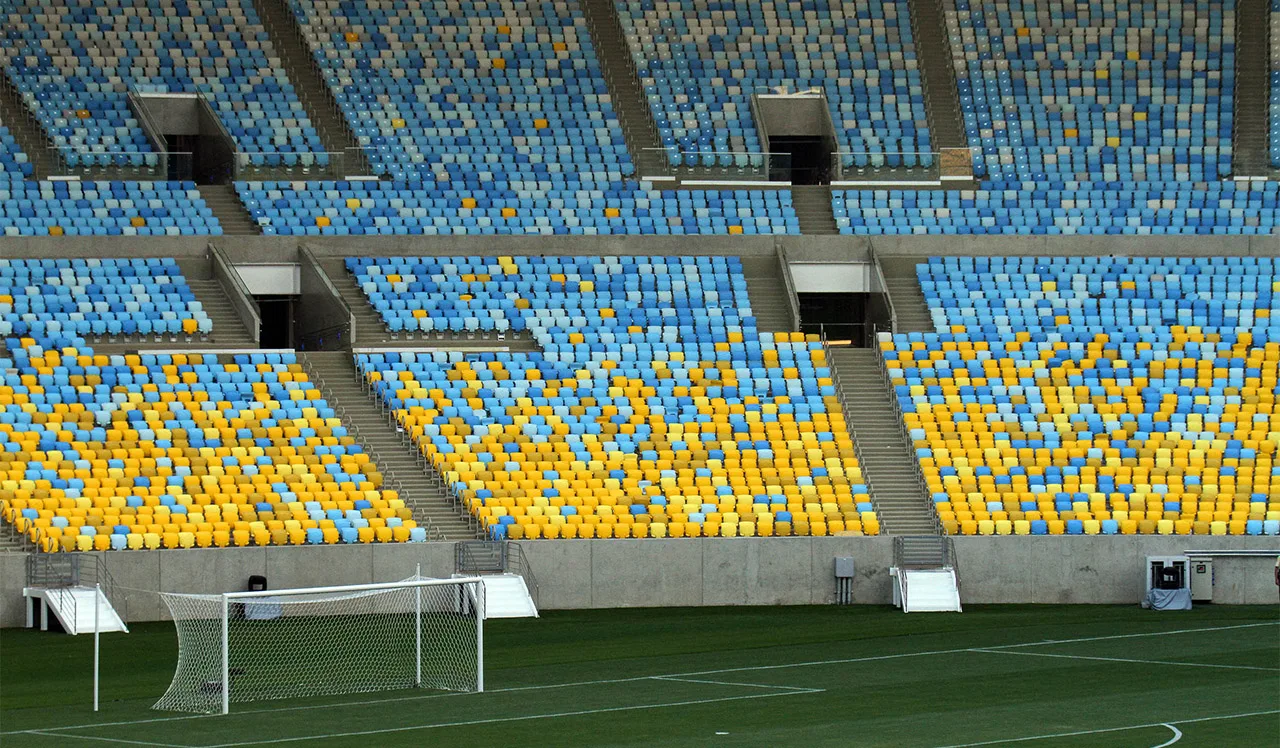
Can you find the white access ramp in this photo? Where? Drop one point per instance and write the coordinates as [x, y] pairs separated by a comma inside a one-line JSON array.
[[507, 596], [927, 590], [74, 608]]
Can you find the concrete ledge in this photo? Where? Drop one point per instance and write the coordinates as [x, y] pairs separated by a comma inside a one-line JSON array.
[[709, 571]]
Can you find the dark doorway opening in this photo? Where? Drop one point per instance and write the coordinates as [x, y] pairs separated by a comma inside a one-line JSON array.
[[841, 317], [277, 321], [809, 157]]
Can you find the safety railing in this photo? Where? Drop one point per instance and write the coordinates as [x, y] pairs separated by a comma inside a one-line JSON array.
[[725, 165], [68, 570], [276, 165], [926, 552], [905, 166], [144, 166], [476, 557], [884, 291], [906, 436]]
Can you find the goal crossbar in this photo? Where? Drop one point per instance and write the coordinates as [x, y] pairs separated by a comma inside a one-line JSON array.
[[307, 641]]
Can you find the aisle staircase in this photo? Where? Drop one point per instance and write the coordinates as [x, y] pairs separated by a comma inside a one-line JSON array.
[[768, 293], [1251, 126], [625, 92], [903, 287], [421, 488], [228, 209], [812, 204], [888, 462], [27, 132], [308, 82], [937, 73]]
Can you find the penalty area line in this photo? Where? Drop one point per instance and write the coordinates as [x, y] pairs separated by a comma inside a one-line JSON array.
[[1168, 723]]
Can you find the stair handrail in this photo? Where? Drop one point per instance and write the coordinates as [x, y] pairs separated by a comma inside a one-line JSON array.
[[496, 556], [789, 282], [62, 571], [857, 443], [238, 293], [300, 36], [884, 289], [906, 436], [429, 469], [433, 532]]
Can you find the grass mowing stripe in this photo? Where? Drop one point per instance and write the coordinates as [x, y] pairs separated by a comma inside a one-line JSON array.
[[45, 733], [1125, 659], [498, 720], [1102, 730], [572, 684]]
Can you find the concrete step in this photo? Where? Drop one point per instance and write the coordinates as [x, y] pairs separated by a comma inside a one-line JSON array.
[[334, 374], [1251, 138], [903, 288], [228, 329], [937, 74], [27, 132], [767, 293], [229, 210], [625, 92], [888, 463], [812, 204], [308, 82]]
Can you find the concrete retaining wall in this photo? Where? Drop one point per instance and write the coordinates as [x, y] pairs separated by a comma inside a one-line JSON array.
[[656, 573]]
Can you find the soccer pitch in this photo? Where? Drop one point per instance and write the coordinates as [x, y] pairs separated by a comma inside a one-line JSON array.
[[812, 676]]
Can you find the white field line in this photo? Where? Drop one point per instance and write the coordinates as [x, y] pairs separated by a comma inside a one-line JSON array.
[[1177, 735], [575, 684], [1099, 731], [498, 720], [1126, 660], [46, 733], [799, 689]]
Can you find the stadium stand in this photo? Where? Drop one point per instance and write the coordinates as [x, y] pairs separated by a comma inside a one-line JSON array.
[[75, 208], [342, 208], [654, 409], [14, 164], [75, 65], [98, 297], [1095, 395], [700, 63], [1064, 208], [160, 450], [450, 91], [1110, 90]]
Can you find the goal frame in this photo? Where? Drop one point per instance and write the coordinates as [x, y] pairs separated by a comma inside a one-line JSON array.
[[472, 586]]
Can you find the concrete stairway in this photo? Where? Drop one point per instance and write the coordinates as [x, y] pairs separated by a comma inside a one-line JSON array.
[[316, 97], [768, 294], [812, 204], [225, 204], [228, 330], [933, 55], [888, 463], [370, 329], [422, 490], [28, 133], [904, 290], [1251, 144], [625, 91]]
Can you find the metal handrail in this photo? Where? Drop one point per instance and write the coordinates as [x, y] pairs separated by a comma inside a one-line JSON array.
[[857, 443], [884, 289], [906, 439], [496, 556], [67, 570], [223, 268], [789, 282]]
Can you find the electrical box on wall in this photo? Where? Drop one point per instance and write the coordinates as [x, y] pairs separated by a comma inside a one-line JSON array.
[[1202, 580]]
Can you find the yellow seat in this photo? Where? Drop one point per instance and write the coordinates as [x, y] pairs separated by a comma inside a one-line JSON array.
[[102, 542], [1021, 527], [84, 542], [1003, 527], [1218, 528]]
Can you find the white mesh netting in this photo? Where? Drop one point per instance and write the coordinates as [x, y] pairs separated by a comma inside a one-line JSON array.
[[299, 643]]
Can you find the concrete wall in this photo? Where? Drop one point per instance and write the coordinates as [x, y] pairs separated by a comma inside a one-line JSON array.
[[655, 573]]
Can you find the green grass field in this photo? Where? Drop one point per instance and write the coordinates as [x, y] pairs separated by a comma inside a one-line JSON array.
[[812, 676]]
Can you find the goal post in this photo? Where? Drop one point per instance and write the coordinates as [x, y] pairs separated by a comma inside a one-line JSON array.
[[317, 641]]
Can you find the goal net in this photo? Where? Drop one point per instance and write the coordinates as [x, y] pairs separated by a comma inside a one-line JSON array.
[[281, 644]]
